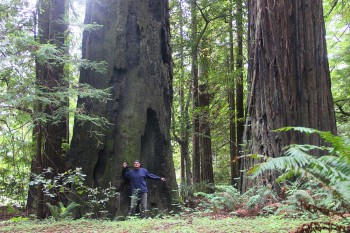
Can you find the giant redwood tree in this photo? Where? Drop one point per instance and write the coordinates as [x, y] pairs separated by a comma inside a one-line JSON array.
[[134, 41], [288, 76]]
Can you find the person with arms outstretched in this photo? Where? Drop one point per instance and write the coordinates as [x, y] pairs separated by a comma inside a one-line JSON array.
[[138, 182]]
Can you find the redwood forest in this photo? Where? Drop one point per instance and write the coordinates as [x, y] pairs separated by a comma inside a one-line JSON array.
[[174, 116]]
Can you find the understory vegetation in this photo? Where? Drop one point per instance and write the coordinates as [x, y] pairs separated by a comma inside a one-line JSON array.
[[313, 195]]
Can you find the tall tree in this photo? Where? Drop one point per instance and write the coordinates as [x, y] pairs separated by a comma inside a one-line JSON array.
[[239, 85], [236, 90], [198, 37], [196, 161], [232, 102], [288, 76], [134, 41], [204, 99], [51, 132], [183, 88]]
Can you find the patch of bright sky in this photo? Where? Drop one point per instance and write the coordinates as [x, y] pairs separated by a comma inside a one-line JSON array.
[[76, 19], [335, 36]]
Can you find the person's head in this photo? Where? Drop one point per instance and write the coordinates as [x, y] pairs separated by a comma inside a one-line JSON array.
[[137, 164]]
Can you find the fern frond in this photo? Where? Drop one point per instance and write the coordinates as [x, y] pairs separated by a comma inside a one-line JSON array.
[[302, 195], [253, 201], [296, 158], [343, 189], [68, 209], [60, 211], [285, 176], [338, 144], [54, 210], [299, 129], [334, 161]]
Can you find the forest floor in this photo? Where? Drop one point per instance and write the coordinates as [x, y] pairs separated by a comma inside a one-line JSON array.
[[11, 222]]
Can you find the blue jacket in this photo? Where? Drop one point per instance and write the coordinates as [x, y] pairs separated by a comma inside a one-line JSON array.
[[138, 178]]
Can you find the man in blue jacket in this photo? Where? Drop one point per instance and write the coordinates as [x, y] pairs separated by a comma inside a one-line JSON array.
[[138, 181]]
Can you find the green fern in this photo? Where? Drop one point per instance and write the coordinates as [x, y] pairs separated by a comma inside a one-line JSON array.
[[301, 195], [61, 212], [259, 196], [332, 170], [225, 197]]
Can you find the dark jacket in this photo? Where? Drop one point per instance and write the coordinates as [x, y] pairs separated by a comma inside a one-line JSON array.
[[138, 178]]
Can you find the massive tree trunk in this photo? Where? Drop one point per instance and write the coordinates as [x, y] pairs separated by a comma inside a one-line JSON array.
[[52, 132], [135, 43], [288, 75]]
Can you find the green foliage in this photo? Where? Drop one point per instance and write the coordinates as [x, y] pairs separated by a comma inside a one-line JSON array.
[[21, 94], [70, 185], [337, 19], [215, 44], [225, 198], [258, 197], [61, 212], [16, 77], [330, 171], [18, 219]]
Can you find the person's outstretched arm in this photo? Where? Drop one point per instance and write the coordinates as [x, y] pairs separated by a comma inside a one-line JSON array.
[[154, 177]]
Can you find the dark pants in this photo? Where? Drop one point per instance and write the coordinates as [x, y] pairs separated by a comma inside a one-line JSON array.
[[135, 198]]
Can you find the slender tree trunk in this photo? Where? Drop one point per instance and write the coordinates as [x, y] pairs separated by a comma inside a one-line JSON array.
[[186, 175], [135, 43], [239, 85], [51, 133], [288, 75], [207, 174], [232, 105], [196, 162]]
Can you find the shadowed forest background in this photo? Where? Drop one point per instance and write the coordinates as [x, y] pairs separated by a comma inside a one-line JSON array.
[[239, 104]]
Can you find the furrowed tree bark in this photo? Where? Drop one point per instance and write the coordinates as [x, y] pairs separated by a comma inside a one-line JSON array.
[[51, 133], [134, 41], [289, 76]]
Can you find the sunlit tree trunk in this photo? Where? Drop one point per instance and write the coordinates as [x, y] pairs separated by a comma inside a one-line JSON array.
[[289, 77]]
